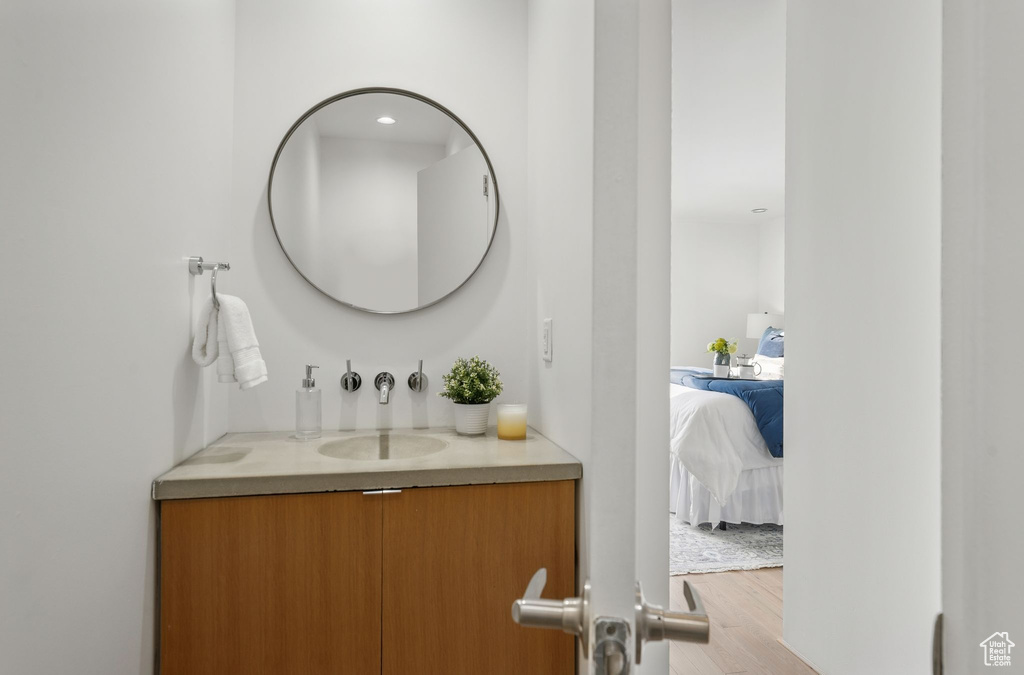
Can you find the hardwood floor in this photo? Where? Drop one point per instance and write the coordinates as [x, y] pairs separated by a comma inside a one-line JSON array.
[[746, 624]]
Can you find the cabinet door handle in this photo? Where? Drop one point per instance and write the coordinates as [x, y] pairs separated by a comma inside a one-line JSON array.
[[381, 492]]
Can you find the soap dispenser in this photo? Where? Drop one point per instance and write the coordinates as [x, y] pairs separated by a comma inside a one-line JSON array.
[[307, 408]]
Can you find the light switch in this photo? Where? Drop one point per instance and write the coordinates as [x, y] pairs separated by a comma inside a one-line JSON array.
[[546, 341]]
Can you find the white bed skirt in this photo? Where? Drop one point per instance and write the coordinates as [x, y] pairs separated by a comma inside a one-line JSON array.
[[757, 499]]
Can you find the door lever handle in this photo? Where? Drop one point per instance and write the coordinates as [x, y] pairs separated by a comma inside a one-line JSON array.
[[654, 623], [571, 615]]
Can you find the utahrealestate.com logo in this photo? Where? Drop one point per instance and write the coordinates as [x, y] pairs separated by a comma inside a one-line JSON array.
[[997, 649]]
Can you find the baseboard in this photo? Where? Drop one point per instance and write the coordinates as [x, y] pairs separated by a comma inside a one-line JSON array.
[[800, 656]]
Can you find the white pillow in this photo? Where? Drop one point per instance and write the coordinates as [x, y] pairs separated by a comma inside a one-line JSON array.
[[772, 368]]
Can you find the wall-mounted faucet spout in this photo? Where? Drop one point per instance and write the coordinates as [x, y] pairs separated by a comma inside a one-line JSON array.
[[384, 382]]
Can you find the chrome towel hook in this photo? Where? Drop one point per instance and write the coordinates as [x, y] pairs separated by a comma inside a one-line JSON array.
[[196, 267], [213, 286]]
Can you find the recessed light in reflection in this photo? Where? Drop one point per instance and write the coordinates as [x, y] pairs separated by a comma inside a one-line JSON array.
[[751, 210], [386, 120]]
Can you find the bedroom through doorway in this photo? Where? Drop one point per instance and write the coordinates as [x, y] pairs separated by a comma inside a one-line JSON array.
[[726, 385]]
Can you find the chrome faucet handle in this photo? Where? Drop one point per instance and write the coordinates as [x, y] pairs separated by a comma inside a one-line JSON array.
[[350, 381], [654, 623], [417, 380], [571, 615], [384, 382]]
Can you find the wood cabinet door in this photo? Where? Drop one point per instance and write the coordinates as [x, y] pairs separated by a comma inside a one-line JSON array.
[[454, 560], [272, 585]]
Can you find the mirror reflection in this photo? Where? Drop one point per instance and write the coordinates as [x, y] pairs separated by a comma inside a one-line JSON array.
[[383, 200]]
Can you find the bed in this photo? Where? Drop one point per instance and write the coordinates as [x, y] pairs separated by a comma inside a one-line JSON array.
[[721, 467], [721, 470]]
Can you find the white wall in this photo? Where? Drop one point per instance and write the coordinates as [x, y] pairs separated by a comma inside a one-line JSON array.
[[296, 194], [862, 281], [715, 284], [561, 192], [368, 202], [561, 211], [771, 267], [719, 275], [728, 157], [114, 166], [982, 278], [728, 110], [457, 140], [477, 67], [454, 222]]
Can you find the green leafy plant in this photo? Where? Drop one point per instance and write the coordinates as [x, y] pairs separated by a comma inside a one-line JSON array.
[[471, 381], [722, 346]]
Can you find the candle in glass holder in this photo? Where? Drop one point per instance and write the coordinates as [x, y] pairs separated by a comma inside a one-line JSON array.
[[512, 421]]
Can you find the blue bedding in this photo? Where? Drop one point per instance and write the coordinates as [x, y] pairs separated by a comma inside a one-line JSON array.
[[764, 397], [676, 375]]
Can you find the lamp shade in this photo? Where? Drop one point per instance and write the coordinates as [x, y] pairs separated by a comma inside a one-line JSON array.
[[757, 323]]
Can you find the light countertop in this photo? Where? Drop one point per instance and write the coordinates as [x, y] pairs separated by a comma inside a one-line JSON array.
[[243, 464]]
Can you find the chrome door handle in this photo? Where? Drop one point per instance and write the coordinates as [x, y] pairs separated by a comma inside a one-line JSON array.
[[654, 623], [571, 615]]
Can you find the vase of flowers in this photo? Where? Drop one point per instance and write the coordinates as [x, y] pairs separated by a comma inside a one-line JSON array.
[[722, 349], [471, 385]]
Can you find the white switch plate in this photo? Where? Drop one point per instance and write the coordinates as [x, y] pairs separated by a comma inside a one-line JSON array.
[[545, 342]]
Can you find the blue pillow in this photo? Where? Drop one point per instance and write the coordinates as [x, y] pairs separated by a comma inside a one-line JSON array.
[[773, 343], [766, 405]]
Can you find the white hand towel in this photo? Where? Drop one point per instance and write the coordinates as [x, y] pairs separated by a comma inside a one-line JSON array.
[[227, 337], [225, 364], [249, 367], [204, 345]]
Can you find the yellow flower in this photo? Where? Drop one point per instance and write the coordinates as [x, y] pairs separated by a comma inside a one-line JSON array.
[[711, 346], [732, 348]]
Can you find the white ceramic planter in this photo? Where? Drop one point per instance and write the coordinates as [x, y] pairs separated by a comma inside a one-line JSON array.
[[471, 418], [720, 367]]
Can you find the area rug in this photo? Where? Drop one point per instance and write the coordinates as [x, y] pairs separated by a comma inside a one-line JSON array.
[[740, 547]]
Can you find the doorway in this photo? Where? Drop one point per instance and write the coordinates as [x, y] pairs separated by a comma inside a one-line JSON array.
[[728, 294]]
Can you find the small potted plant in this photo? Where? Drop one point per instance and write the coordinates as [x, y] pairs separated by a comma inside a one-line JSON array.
[[723, 349], [471, 385]]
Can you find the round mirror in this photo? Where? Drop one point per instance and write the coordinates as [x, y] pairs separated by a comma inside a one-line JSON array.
[[383, 200]]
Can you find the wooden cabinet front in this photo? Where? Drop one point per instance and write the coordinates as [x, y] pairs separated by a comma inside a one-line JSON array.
[[275, 585], [454, 560], [420, 581]]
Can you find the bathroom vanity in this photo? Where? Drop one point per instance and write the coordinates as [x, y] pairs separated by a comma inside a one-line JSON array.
[[361, 553]]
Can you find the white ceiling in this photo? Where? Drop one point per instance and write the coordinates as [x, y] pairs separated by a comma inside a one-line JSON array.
[[728, 110], [356, 117]]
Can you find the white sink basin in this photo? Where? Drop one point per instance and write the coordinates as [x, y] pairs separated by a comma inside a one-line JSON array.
[[383, 446]]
